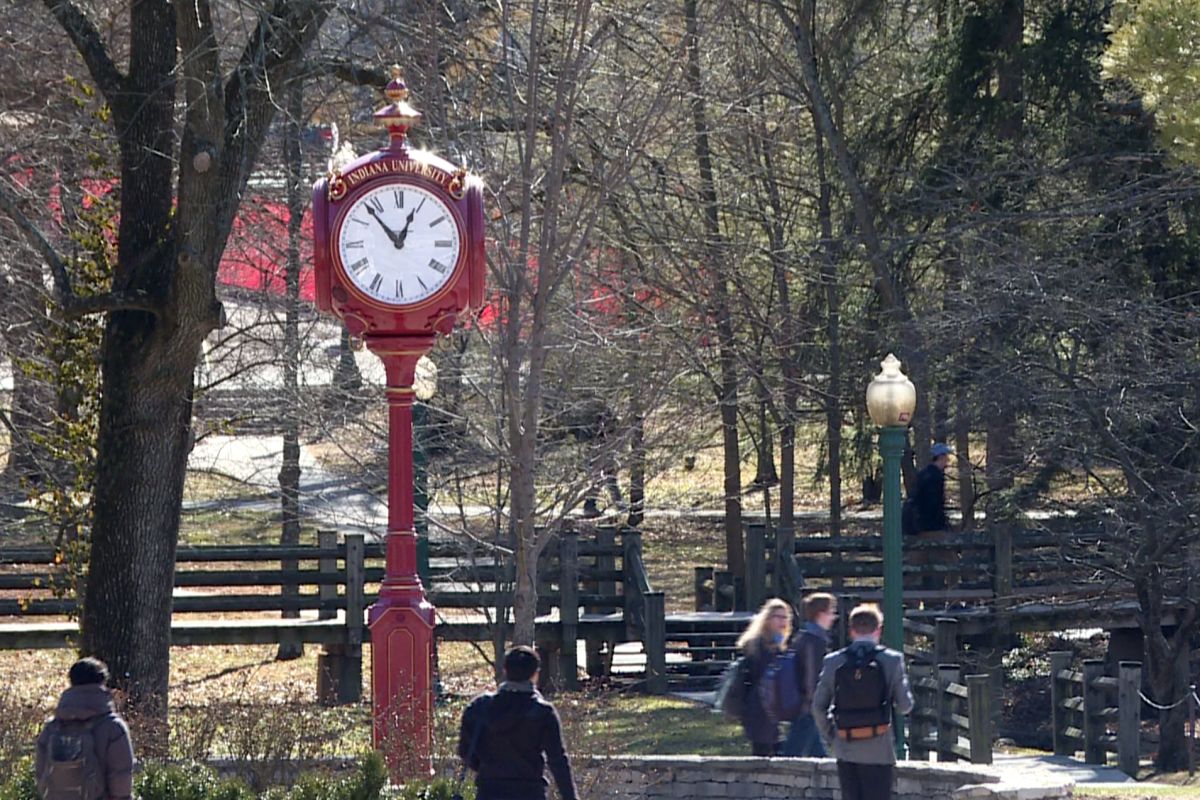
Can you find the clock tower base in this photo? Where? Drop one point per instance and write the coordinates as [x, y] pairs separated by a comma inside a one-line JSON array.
[[402, 683]]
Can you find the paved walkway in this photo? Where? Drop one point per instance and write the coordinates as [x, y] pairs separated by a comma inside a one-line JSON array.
[[1055, 769]]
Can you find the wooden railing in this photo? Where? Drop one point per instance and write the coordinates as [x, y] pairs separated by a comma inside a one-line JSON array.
[[1088, 705], [952, 714], [339, 581]]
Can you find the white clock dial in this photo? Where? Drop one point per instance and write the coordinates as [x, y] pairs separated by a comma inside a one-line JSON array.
[[399, 243]]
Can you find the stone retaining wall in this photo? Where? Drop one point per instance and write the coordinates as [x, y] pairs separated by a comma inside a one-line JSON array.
[[742, 778]]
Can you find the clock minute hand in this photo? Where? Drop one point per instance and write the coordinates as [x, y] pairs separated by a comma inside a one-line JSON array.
[[390, 233]]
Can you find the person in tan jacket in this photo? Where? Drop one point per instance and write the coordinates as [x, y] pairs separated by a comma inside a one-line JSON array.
[[84, 750]]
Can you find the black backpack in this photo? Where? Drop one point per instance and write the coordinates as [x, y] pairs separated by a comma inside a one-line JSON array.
[[732, 692], [72, 767], [860, 691]]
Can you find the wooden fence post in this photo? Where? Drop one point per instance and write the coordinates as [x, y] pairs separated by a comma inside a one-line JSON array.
[[945, 640], [1002, 554], [1129, 716], [918, 738], [703, 583], [1060, 690], [631, 553], [947, 734], [593, 645], [724, 598], [1093, 712], [568, 610], [846, 604], [756, 565], [655, 643], [979, 713], [327, 565], [339, 668]]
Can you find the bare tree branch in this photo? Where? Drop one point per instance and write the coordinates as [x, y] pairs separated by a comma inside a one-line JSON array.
[[87, 41], [71, 304]]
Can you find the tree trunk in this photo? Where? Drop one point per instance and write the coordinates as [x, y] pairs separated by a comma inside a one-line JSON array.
[[1169, 681], [637, 466], [1167, 660], [289, 472], [833, 334], [1002, 455], [727, 386], [962, 455], [525, 594], [145, 437]]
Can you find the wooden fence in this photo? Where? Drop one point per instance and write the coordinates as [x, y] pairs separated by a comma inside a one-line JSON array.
[[1096, 713], [339, 581], [952, 714]]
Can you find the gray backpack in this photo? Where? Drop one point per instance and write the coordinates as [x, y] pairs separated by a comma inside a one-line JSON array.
[[71, 769]]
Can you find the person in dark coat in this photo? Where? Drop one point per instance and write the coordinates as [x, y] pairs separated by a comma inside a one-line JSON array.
[[88, 700], [509, 737], [762, 643], [809, 646], [929, 495], [927, 516]]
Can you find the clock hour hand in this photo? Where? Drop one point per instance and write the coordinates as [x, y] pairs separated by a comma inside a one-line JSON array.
[[399, 242]]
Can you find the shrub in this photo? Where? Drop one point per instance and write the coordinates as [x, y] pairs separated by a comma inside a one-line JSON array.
[[192, 782], [436, 789], [21, 784], [367, 783]]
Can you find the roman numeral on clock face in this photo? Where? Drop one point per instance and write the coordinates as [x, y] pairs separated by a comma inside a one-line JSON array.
[[358, 266], [438, 221], [398, 196], [437, 265], [399, 289], [443, 243], [354, 245], [375, 203], [376, 282]]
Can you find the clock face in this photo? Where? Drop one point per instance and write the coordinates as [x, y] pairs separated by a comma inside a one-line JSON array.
[[399, 243]]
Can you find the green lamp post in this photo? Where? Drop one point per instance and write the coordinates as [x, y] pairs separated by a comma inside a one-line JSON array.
[[891, 401], [425, 387]]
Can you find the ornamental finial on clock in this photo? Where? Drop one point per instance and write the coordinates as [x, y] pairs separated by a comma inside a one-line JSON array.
[[398, 116]]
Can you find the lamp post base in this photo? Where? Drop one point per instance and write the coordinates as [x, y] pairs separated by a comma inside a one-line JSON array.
[[402, 682]]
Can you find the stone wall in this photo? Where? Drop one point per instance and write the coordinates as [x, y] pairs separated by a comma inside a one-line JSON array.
[[742, 778]]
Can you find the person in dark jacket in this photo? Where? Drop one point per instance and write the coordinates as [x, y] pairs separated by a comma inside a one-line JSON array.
[[509, 737], [927, 514], [89, 700], [809, 646], [763, 641], [929, 495]]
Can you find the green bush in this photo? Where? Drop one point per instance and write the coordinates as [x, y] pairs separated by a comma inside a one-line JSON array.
[[436, 789], [21, 784], [192, 782], [198, 782]]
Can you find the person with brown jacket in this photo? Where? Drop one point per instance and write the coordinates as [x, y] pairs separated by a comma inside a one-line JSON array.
[[84, 750], [808, 647]]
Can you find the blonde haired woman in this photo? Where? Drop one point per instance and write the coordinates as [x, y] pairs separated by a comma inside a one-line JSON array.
[[763, 641]]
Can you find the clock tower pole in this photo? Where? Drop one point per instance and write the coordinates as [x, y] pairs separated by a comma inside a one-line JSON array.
[[401, 621], [400, 331]]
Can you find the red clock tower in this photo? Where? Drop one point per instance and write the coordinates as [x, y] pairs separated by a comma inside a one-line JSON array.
[[399, 249]]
